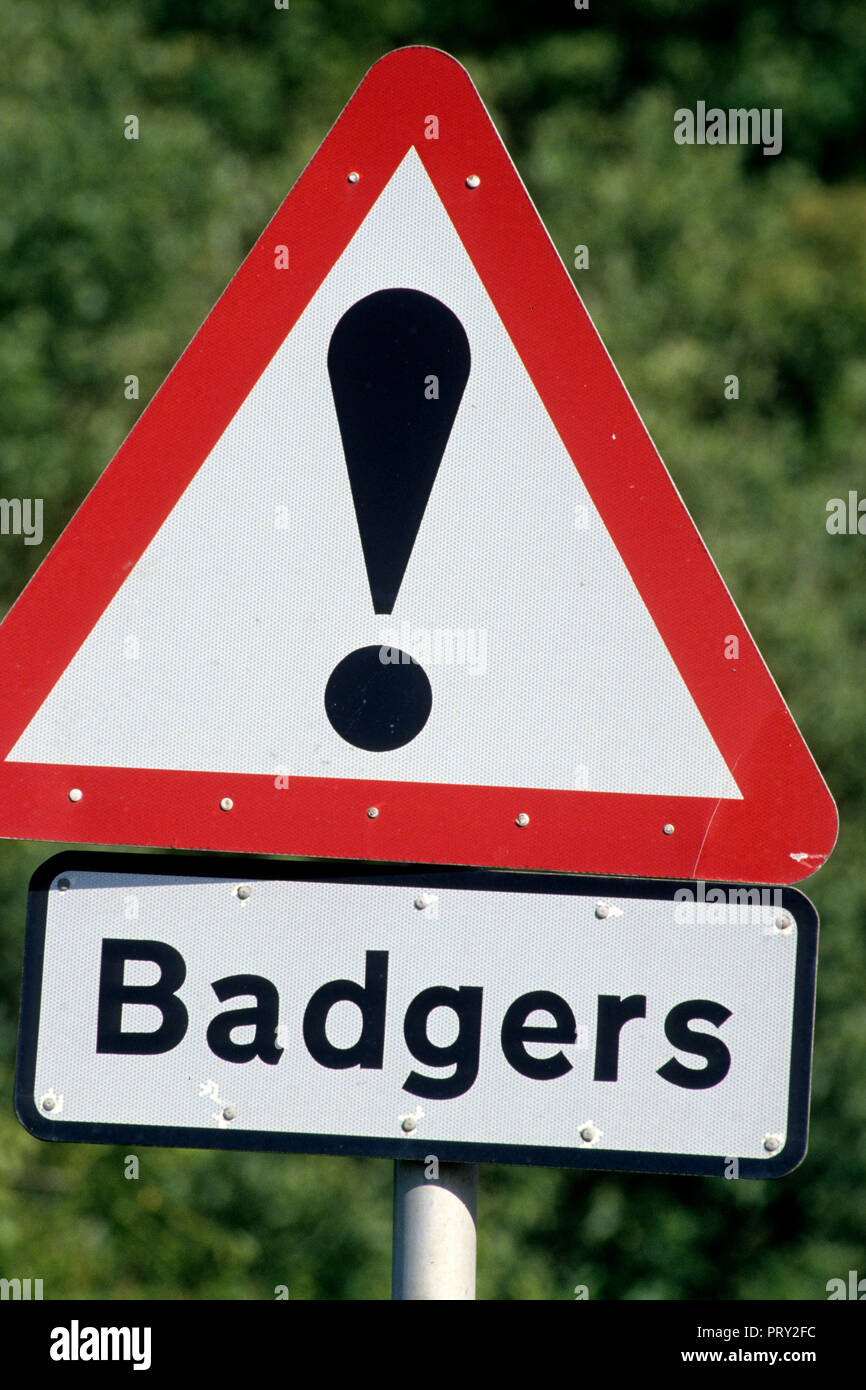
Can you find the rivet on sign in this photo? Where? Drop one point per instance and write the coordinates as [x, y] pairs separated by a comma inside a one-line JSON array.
[[63, 884], [226, 804], [784, 922], [522, 819], [76, 794], [229, 1112], [473, 181], [48, 1102], [425, 900], [602, 910], [668, 829], [408, 1123], [243, 891], [372, 812], [354, 176], [589, 1133], [772, 1143]]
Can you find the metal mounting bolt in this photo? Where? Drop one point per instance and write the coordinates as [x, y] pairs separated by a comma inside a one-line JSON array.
[[784, 922], [473, 181], [372, 812], [425, 900], [602, 910], [589, 1133], [353, 177], [226, 804], [48, 1102], [522, 819], [243, 891], [76, 794], [668, 829], [229, 1112], [772, 1143], [63, 884], [408, 1123]]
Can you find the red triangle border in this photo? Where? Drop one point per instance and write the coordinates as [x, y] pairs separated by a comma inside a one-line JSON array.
[[785, 826]]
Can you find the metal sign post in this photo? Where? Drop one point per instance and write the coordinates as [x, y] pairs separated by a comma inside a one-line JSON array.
[[434, 1230]]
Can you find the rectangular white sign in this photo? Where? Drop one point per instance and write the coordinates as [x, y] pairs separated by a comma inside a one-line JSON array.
[[475, 1015]]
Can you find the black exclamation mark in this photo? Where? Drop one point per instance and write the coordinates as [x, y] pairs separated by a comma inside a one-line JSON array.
[[398, 362]]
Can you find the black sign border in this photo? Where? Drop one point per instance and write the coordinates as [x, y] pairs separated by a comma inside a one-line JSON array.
[[410, 876]]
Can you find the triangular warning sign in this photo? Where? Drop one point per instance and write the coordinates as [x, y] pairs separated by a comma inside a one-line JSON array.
[[390, 568]]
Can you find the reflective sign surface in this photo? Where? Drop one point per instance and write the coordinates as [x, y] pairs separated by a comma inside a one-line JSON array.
[[462, 1014]]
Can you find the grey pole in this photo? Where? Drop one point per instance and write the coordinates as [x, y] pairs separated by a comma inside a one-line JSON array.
[[434, 1230]]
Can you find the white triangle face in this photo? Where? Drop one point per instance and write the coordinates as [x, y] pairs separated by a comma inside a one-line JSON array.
[[546, 667]]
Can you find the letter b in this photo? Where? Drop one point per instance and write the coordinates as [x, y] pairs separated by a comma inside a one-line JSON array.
[[162, 995]]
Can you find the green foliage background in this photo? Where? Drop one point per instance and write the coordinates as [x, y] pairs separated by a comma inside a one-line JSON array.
[[703, 262]]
